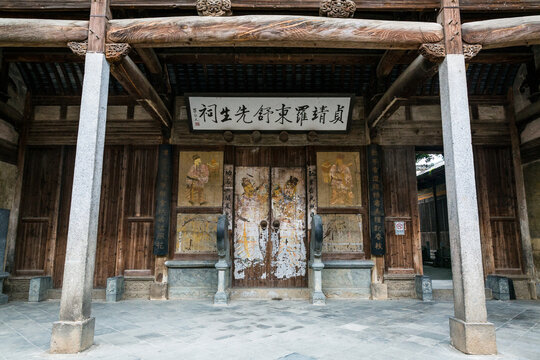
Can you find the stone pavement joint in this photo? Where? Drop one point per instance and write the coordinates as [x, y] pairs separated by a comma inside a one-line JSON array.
[[291, 330]]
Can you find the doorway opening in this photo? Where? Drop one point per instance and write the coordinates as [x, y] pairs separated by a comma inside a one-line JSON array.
[[433, 212]]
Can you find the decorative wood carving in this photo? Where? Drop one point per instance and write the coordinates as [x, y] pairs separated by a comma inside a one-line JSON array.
[[114, 52], [214, 7], [337, 8], [436, 52], [433, 52], [470, 51]]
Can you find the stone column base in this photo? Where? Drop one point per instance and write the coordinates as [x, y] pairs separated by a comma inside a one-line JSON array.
[[318, 298], [3, 299], [70, 337], [473, 338], [221, 298]]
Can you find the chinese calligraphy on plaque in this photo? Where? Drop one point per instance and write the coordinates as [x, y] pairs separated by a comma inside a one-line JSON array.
[[376, 208], [163, 201], [269, 113], [201, 179], [338, 179]]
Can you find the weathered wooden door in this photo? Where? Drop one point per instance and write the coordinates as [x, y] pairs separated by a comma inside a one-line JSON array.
[[270, 227]]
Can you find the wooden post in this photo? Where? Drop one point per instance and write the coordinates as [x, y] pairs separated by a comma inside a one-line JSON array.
[[526, 245], [469, 330]]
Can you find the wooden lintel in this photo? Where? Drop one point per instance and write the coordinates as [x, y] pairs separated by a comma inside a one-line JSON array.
[[391, 108], [499, 33], [269, 31], [137, 85], [405, 85], [273, 31], [390, 59]]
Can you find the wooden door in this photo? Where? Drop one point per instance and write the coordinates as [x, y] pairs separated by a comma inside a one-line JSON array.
[[270, 227]]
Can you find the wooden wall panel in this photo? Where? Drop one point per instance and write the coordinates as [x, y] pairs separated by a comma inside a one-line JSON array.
[[139, 208], [110, 215], [39, 205], [403, 252], [497, 208], [63, 215]]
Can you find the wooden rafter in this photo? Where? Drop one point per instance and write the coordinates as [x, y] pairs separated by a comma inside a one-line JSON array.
[[405, 86], [158, 77], [390, 59]]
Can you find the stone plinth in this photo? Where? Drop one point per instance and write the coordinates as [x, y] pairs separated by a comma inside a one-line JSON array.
[[500, 287], [473, 338], [347, 278], [115, 288], [69, 337], [158, 291], [423, 287], [39, 288], [192, 279], [379, 291]]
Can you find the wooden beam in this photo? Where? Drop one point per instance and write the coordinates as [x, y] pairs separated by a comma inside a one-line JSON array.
[[158, 76], [405, 85], [499, 33], [390, 59], [11, 115], [137, 85], [528, 114], [273, 31], [273, 5], [41, 32]]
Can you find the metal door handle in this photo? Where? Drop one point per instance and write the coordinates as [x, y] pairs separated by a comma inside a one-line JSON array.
[[275, 224], [264, 224]]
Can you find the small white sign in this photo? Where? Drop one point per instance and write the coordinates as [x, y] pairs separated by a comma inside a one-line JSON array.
[[399, 227], [269, 113]]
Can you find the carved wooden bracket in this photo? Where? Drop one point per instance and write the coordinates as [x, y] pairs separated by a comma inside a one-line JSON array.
[[214, 7], [436, 52], [337, 8], [114, 52]]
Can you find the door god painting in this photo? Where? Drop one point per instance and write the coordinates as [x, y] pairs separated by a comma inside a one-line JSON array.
[[251, 214], [201, 179], [338, 179], [288, 227]]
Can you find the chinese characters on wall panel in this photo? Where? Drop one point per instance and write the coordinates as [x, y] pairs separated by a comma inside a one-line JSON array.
[[196, 233], [376, 208], [342, 233], [269, 113]]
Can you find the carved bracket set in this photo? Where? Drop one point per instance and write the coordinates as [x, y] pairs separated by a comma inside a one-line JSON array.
[[114, 52], [436, 52]]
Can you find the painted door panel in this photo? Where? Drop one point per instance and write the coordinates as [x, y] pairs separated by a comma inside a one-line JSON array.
[[269, 235]]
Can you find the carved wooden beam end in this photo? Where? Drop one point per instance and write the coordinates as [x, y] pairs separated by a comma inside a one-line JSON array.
[[436, 52], [214, 7], [114, 52], [337, 8]]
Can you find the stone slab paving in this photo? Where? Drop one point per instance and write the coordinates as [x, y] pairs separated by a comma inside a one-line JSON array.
[[290, 330]]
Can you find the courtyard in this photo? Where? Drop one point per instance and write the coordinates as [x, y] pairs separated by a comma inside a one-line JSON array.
[[293, 330]]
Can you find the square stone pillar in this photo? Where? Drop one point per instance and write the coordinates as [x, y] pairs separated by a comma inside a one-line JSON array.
[[75, 330], [469, 330]]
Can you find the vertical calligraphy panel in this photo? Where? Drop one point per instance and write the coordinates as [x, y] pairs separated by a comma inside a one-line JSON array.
[[163, 200], [376, 208]]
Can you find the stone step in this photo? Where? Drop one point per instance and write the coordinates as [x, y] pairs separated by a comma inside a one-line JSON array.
[[270, 294], [448, 294]]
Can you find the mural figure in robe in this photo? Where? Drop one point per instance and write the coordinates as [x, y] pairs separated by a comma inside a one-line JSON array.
[[288, 248], [341, 183], [250, 246], [196, 178]]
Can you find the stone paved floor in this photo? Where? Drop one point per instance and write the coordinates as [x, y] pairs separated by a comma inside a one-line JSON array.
[[292, 330]]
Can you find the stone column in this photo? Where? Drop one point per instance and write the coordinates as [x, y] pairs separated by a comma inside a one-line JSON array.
[[469, 330], [75, 330]]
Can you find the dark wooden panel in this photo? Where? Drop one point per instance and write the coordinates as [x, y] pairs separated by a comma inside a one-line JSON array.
[[110, 211], [253, 156], [63, 216], [497, 210], [38, 208], [141, 173], [403, 252]]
